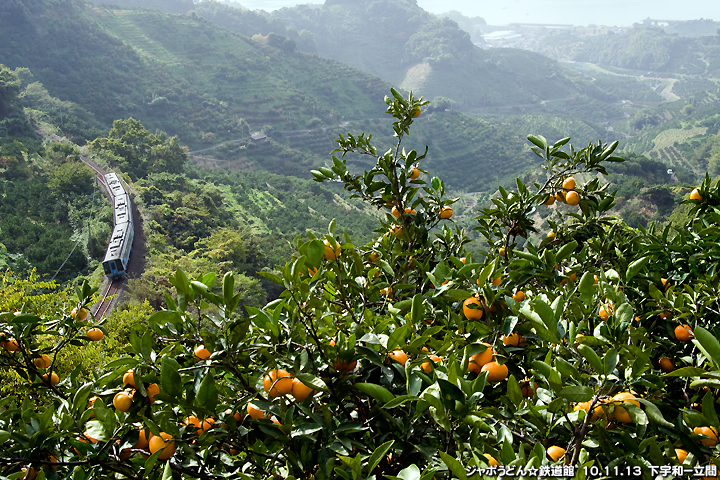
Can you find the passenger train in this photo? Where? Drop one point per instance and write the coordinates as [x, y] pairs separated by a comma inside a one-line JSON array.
[[118, 251]]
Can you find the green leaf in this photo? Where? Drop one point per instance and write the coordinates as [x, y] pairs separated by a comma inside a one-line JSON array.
[[167, 472], [611, 360], [96, 429], [513, 391], [378, 455], [591, 357], [586, 287], [402, 399], [207, 396], [165, 316], [654, 414], [624, 314], [708, 343], [454, 466], [377, 392], [576, 393], [409, 473], [312, 381], [566, 251], [416, 312], [686, 372], [305, 429], [170, 380], [315, 252], [635, 267]]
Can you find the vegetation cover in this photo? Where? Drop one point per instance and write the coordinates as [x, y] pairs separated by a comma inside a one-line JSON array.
[[595, 348]]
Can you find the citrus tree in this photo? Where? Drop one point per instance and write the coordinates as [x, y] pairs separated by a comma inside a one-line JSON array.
[[590, 353]]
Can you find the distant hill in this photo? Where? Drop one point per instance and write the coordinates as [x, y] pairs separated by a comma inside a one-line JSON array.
[[402, 43], [180, 74]]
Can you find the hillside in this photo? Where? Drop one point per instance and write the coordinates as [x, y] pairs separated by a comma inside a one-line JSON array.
[[402, 43], [180, 74]]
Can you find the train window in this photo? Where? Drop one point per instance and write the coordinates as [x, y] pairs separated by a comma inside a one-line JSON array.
[[106, 267], [113, 267]]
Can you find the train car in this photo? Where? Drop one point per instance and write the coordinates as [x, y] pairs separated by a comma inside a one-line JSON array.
[[118, 252], [117, 256], [121, 209], [115, 186]]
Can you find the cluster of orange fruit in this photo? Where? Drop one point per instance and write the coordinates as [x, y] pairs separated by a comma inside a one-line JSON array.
[[618, 413], [123, 400], [566, 195]]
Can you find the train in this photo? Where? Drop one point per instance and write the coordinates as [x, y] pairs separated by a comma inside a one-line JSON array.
[[118, 251]]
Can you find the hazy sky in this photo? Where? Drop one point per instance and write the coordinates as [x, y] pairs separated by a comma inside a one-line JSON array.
[[576, 12]]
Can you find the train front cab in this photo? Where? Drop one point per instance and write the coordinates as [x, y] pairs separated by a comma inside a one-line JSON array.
[[114, 268]]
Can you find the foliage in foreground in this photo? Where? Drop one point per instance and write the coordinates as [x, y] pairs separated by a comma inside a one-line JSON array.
[[394, 336]]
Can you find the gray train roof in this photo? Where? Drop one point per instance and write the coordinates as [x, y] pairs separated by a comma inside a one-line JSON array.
[[114, 184], [121, 208], [115, 247]]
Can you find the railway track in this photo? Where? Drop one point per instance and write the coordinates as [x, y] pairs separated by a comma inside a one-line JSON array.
[[112, 288]]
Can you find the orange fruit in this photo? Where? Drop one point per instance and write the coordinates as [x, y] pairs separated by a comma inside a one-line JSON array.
[[496, 282], [666, 365], [555, 452], [236, 415], [396, 230], [143, 440], [491, 461], [162, 442], [619, 413], [122, 401], [416, 112], [345, 367], [568, 183], [446, 212], [79, 314], [91, 403], [299, 390], [386, 292], [683, 333], [395, 212], [560, 196], [514, 339], [665, 283], [331, 254], [399, 356], [278, 382], [374, 256], [550, 200], [128, 379], [597, 414], [526, 389], [255, 412], [664, 315], [695, 195], [42, 361], [51, 379], [681, 455], [95, 334], [479, 360], [572, 198], [202, 353], [501, 252], [414, 173], [496, 371], [152, 390], [472, 313], [11, 345], [427, 366], [519, 296], [709, 432], [605, 311], [410, 211], [29, 474], [201, 425]]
